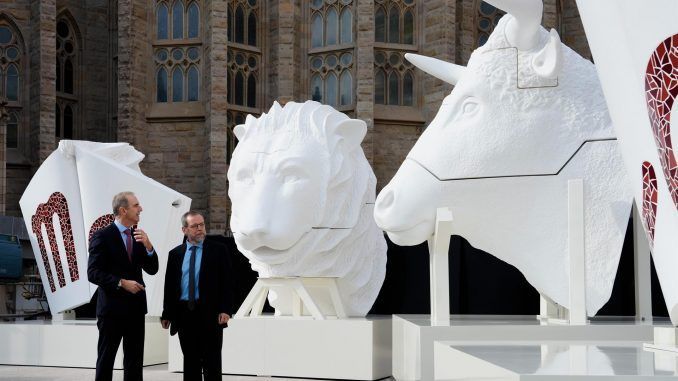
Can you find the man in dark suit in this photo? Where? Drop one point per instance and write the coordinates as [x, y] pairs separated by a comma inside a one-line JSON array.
[[117, 254], [198, 299]]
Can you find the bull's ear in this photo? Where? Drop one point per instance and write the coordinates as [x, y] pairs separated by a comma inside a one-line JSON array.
[[350, 132], [549, 60]]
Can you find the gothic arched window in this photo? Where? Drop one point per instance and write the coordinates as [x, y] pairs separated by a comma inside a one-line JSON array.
[[331, 54], [68, 70], [394, 30], [244, 64], [12, 82], [178, 60], [488, 17]]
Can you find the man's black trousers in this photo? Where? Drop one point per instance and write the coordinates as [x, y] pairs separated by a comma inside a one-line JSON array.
[[131, 331], [201, 338]]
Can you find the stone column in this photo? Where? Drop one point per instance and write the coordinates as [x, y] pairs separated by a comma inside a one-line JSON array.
[[439, 41], [365, 72], [216, 43], [284, 56], [43, 79], [134, 56]]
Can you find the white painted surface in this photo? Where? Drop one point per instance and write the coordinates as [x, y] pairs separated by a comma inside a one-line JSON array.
[[69, 344], [414, 335], [302, 195], [494, 152], [622, 54], [352, 349], [89, 174], [548, 361], [439, 246], [302, 301]]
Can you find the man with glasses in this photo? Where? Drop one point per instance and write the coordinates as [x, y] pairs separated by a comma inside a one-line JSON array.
[[198, 298]]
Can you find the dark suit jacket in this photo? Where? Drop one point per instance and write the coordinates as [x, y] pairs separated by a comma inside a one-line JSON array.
[[214, 283], [108, 263]]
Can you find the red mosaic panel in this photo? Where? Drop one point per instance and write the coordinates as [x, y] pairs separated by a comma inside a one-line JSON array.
[[100, 222], [661, 89], [649, 199], [56, 204]]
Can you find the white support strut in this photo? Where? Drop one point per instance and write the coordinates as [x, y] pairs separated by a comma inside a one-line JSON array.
[[301, 298], [577, 251], [439, 245]]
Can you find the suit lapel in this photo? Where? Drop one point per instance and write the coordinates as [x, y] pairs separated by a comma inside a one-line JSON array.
[[203, 262]]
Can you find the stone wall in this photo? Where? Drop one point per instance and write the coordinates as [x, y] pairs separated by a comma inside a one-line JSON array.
[[189, 154]]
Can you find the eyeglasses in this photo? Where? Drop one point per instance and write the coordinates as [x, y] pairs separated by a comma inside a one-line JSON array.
[[195, 226]]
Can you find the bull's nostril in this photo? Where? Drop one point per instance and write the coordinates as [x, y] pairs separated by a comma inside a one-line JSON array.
[[385, 199]]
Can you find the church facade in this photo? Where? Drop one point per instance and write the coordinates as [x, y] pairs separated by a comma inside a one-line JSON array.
[[172, 77]]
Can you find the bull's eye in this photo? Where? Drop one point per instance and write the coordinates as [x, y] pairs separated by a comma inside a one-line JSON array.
[[288, 179], [244, 176], [470, 106]]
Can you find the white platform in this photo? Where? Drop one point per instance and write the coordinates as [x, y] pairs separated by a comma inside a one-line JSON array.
[[414, 336], [352, 349], [69, 343], [547, 361]]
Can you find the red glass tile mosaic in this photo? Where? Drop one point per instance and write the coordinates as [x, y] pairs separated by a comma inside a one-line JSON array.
[[661, 89], [649, 211], [56, 204]]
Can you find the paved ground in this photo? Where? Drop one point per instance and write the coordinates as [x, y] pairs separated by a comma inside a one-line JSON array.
[[151, 373]]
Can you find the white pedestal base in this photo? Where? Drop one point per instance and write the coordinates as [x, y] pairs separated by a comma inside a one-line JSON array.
[[665, 339], [69, 343], [414, 335], [547, 361], [352, 349]]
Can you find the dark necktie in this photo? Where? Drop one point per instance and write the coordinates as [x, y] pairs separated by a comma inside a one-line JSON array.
[[128, 238], [191, 279]]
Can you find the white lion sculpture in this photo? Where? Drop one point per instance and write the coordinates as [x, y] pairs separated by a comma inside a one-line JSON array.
[[303, 195]]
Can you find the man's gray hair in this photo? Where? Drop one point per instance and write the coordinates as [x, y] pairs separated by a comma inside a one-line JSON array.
[[120, 201], [184, 217]]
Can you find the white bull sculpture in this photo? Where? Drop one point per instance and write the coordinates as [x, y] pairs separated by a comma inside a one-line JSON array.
[[526, 115]]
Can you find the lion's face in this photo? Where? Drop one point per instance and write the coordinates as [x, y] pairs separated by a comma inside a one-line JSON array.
[[278, 190]]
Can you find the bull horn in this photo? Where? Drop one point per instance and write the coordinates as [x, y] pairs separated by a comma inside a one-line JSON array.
[[522, 30], [448, 72]]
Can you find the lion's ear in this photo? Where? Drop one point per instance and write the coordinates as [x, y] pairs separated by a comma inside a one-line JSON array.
[[239, 131], [351, 132]]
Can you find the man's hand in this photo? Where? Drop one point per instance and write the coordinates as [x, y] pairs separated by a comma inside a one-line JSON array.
[[223, 318], [131, 286], [165, 323], [141, 236]]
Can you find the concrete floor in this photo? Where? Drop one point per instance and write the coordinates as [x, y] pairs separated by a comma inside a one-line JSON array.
[[151, 373]]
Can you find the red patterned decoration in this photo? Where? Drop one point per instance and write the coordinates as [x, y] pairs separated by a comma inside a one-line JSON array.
[[100, 222], [661, 89], [56, 204], [649, 199]]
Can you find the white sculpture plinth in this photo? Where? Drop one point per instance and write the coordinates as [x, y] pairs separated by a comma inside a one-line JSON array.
[[414, 336], [350, 349], [69, 343], [523, 361]]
